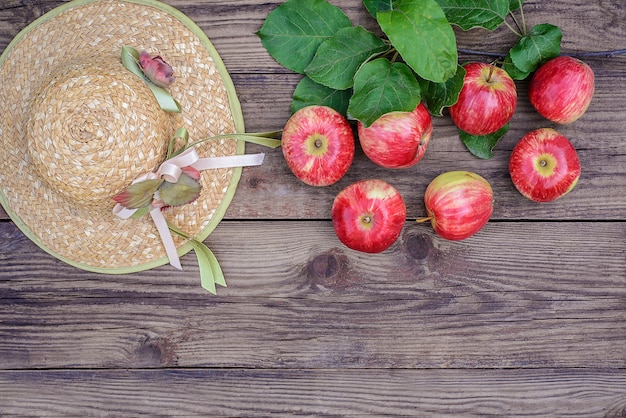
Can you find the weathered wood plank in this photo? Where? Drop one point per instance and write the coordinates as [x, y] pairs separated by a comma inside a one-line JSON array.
[[231, 26], [236, 392], [515, 295], [524, 319]]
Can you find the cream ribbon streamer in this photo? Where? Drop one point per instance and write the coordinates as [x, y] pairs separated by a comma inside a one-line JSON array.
[[170, 170]]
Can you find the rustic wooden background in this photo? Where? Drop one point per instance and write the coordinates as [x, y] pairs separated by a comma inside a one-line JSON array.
[[526, 318]]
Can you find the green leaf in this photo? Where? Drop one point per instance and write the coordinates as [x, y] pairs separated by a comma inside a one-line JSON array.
[[420, 32], [294, 30], [375, 6], [514, 72], [440, 95], [338, 58], [542, 43], [482, 145], [515, 4], [308, 92], [138, 195], [468, 14], [381, 87], [184, 191]]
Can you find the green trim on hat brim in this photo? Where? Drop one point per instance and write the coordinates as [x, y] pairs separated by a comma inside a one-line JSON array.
[[236, 112]]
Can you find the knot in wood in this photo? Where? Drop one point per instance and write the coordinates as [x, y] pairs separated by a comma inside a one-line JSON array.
[[324, 266], [418, 246]]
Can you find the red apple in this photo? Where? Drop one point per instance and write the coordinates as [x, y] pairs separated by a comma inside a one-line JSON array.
[[368, 215], [544, 165], [458, 203], [487, 100], [561, 89], [397, 139], [318, 145]]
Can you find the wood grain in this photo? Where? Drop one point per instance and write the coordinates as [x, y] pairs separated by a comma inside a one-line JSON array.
[[358, 393], [508, 297], [526, 318], [231, 26]]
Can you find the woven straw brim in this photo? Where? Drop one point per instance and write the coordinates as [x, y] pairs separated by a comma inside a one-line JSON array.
[[78, 128]]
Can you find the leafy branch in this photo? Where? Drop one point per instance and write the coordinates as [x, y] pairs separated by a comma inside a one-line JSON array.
[[364, 76]]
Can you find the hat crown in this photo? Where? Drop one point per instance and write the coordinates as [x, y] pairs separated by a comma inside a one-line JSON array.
[[93, 128]]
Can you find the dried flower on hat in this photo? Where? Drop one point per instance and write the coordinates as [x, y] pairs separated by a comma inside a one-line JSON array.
[[155, 72], [156, 69]]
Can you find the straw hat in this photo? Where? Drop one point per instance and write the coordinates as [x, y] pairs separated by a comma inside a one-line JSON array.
[[77, 128]]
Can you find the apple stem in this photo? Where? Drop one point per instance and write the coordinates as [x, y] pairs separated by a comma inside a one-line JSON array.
[[490, 74], [422, 220]]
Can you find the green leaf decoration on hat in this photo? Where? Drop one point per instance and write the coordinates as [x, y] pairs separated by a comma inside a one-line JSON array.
[[138, 195], [210, 271], [130, 60], [185, 190]]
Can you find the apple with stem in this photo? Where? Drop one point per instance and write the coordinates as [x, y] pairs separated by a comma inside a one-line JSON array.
[[368, 215], [458, 204], [397, 139], [318, 145], [544, 165], [487, 100], [561, 89]]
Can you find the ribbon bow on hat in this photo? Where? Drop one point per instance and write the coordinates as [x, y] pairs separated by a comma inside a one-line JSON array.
[[147, 193], [176, 181], [170, 171]]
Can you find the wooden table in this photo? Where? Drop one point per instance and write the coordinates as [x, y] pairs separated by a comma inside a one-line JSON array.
[[528, 317]]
